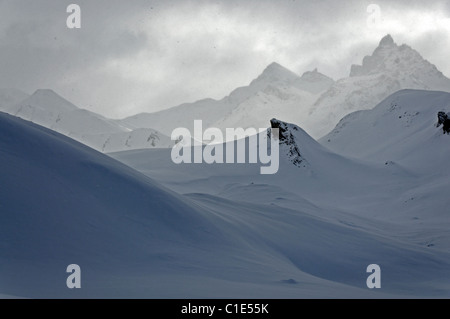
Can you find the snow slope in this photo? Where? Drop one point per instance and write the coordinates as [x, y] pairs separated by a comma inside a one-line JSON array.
[[401, 132], [346, 194], [63, 203], [402, 128]]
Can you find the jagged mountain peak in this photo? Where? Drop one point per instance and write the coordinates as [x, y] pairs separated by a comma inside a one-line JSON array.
[[389, 57], [401, 62], [275, 67], [49, 99], [47, 93]]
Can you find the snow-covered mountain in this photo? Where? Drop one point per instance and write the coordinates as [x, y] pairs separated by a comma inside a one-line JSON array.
[[313, 101], [390, 68], [401, 129], [286, 99], [277, 92], [50, 110]]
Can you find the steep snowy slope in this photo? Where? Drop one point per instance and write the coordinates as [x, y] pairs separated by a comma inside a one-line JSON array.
[[277, 92], [402, 128], [50, 110], [390, 68]]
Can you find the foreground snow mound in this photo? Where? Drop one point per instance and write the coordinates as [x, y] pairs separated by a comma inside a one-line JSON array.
[[63, 203]]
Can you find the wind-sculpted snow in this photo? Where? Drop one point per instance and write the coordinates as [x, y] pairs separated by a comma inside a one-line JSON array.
[[330, 217], [63, 203]]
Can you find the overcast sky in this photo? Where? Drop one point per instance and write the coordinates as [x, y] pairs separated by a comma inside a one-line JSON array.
[[141, 56]]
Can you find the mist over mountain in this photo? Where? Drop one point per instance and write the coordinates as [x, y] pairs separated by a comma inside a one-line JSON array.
[[314, 101], [390, 68], [45, 107]]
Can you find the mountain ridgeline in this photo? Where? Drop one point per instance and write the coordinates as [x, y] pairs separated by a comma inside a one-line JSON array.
[[313, 101]]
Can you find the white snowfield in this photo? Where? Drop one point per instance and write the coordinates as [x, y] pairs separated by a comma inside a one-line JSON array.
[[222, 231]]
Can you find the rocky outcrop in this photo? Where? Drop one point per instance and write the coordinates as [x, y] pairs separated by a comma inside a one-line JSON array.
[[444, 120], [287, 140]]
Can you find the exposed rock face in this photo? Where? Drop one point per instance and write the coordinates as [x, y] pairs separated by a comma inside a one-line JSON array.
[[441, 118], [287, 140], [444, 120]]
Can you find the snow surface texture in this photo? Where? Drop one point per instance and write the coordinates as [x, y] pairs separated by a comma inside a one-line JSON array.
[[397, 211], [308, 231]]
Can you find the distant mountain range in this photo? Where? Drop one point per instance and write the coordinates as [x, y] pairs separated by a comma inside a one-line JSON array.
[[50, 110], [313, 101]]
